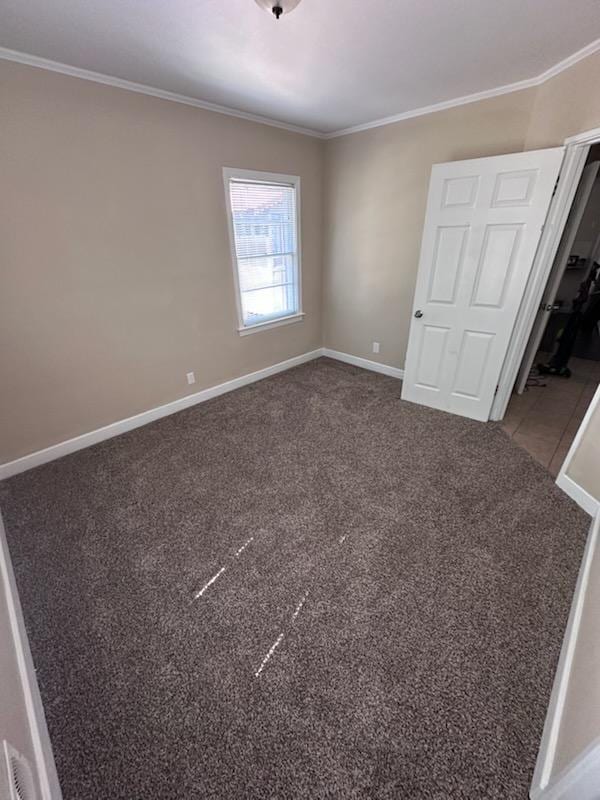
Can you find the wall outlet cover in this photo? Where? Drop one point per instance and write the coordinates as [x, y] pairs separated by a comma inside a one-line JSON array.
[[191, 378]]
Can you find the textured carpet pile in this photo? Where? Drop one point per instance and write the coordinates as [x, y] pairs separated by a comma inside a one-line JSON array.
[[399, 578]]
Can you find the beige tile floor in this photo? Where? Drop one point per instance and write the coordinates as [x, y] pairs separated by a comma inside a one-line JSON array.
[[545, 419]]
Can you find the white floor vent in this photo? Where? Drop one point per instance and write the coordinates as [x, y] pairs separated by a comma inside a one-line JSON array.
[[16, 778]]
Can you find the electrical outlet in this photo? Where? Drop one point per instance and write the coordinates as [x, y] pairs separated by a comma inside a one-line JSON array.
[[191, 378], [375, 347]]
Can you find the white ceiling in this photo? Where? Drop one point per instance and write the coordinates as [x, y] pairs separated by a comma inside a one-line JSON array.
[[328, 65]]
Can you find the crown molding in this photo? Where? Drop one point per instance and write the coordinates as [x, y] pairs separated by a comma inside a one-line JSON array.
[[569, 61], [528, 83], [140, 88], [443, 106]]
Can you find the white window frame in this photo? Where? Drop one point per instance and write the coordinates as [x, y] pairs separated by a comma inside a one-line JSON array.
[[229, 174]]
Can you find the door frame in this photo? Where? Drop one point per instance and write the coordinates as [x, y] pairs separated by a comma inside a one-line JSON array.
[[557, 271], [567, 484], [576, 152]]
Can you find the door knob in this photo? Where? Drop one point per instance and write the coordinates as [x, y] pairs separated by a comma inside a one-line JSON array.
[[418, 314]]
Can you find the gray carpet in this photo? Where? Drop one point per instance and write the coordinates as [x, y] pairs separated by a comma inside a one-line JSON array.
[[399, 578]]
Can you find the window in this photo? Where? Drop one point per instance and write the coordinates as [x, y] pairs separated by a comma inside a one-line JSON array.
[[264, 227]]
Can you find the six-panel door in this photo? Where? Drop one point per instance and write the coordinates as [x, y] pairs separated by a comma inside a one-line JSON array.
[[482, 227]]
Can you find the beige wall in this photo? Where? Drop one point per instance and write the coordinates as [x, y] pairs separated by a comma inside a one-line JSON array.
[[375, 194], [376, 190], [566, 105], [116, 275]]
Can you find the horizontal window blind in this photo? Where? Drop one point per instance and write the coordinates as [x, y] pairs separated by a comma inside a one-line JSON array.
[[264, 229]]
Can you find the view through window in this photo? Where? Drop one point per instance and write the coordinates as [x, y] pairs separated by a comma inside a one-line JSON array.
[[264, 223]]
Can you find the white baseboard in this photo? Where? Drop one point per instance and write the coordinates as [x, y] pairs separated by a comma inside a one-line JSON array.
[[45, 768], [545, 784], [579, 781], [365, 363], [55, 451], [122, 426], [581, 497]]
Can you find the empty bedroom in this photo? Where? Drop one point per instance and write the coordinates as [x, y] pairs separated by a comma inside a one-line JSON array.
[[277, 519]]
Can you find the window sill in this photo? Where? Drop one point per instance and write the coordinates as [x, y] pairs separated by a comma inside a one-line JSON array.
[[275, 323]]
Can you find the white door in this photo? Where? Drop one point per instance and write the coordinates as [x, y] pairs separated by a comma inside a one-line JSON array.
[[482, 227], [572, 224]]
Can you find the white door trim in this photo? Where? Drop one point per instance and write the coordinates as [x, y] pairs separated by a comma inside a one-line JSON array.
[[587, 137], [577, 148], [578, 493], [557, 272]]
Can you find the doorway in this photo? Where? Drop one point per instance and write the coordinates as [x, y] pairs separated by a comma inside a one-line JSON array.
[[560, 369], [485, 290]]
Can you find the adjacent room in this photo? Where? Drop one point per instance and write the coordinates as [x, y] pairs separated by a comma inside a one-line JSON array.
[[300, 417], [560, 370]]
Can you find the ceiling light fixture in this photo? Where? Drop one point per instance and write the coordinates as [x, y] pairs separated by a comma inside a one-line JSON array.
[[278, 7]]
